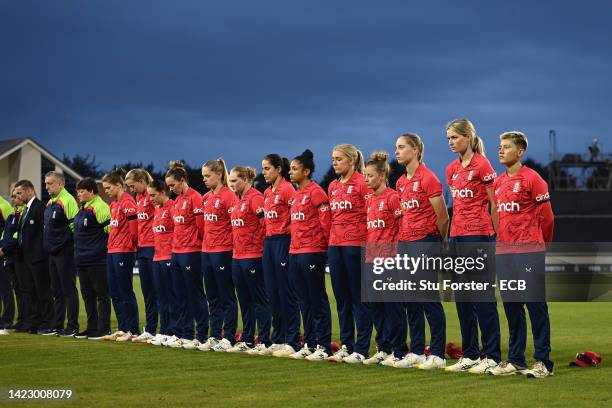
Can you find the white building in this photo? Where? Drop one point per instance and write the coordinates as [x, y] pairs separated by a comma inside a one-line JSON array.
[[23, 158]]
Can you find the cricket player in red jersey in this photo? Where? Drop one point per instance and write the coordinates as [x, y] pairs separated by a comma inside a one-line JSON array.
[[281, 293], [122, 241], [526, 223], [424, 225], [248, 231], [470, 178], [310, 224], [138, 180], [217, 257], [186, 246], [163, 270], [347, 196], [383, 219]]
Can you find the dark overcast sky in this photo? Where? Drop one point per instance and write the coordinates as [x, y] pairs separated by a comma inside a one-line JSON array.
[[158, 80]]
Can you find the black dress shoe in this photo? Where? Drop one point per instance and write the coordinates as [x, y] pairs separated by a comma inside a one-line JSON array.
[[67, 333], [47, 332], [82, 335]]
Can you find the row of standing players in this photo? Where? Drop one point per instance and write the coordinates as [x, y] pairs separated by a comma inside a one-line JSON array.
[[271, 250]]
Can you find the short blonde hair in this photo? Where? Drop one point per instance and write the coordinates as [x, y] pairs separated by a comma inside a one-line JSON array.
[[516, 137]]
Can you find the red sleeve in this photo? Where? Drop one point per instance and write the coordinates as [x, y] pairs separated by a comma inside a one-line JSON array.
[[395, 206], [486, 173], [288, 193], [196, 204], [320, 200], [131, 212], [432, 186], [318, 197], [546, 218], [257, 203], [449, 174]]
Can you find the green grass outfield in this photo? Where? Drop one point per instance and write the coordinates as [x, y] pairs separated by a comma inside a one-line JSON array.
[[120, 375]]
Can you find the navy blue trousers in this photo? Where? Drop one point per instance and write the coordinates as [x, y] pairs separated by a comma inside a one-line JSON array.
[[345, 269], [144, 256], [308, 277], [166, 296], [7, 299], [511, 266], [217, 269], [120, 272], [189, 287], [62, 272], [248, 278], [284, 302]]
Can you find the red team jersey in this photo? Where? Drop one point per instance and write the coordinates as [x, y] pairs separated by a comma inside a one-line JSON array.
[[419, 218], [163, 228], [525, 213], [310, 220], [217, 222], [120, 237], [146, 212], [348, 211], [383, 220], [248, 226], [276, 208], [470, 199], [187, 237]]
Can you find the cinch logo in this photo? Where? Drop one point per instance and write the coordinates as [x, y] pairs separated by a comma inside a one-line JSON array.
[[489, 177], [409, 205], [270, 214], [159, 228], [378, 223], [179, 219], [237, 222], [210, 217], [143, 216], [542, 197], [114, 223], [341, 205], [463, 193], [298, 216], [512, 206]]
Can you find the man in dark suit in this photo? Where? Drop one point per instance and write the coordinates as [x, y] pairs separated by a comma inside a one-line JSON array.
[[34, 275]]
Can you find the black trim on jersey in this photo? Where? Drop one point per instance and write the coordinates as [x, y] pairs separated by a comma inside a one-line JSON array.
[[542, 202], [105, 223], [132, 217], [488, 182], [199, 214], [261, 215]]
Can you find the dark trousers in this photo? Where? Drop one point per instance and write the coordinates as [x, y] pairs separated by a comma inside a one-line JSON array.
[[144, 256], [308, 277], [34, 279], [282, 296], [345, 269], [120, 274], [94, 290], [391, 324], [163, 271], [7, 298], [512, 266], [21, 295], [248, 278], [480, 313], [191, 288], [222, 303], [63, 284]]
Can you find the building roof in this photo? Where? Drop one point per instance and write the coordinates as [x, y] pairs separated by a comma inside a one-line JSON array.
[[9, 146]]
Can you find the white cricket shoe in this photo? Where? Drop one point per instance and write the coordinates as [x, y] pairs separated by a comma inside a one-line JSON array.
[[179, 343], [410, 360], [240, 347], [482, 367], [285, 351], [170, 340], [257, 350], [158, 340], [376, 358], [538, 370], [223, 345], [192, 344], [432, 362], [270, 350], [4, 332], [506, 368], [340, 355], [463, 364], [301, 354], [318, 355], [390, 361], [208, 344], [143, 338], [354, 358]]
